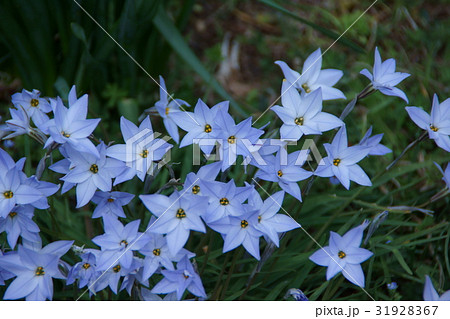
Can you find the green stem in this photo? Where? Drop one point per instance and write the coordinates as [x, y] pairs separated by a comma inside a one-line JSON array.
[[237, 254], [216, 291], [410, 146]]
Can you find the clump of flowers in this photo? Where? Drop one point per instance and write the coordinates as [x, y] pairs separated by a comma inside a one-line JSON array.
[[151, 260]]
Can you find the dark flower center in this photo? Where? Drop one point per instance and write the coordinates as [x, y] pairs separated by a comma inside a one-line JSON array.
[[12, 214], [195, 189], [224, 201], [299, 120], [336, 161], [8, 194], [167, 110], [232, 139], [110, 200], [259, 218], [156, 251], [180, 213], [244, 223], [94, 168], [341, 254], [117, 268], [144, 154], [306, 88], [208, 128], [86, 265], [434, 128], [39, 271], [280, 173], [124, 242], [34, 102]]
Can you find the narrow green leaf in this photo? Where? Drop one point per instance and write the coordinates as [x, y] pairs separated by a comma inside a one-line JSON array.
[[331, 34], [401, 261], [167, 28]]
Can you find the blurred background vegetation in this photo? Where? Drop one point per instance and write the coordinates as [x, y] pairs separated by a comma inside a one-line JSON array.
[[218, 50]]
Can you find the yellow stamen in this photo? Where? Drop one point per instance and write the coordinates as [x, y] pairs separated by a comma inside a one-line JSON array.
[[39, 271], [299, 121], [180, 213], [341, 254], [156, 251], [208, 128], [336, 162], [144, 154], [306, 88], [224, 201], [8, 194], [244, 223], [67, 135], [195, 189], [94, 169], [232, 139], [34, 102]]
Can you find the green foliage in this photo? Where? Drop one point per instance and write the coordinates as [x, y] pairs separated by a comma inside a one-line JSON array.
[[52, 44]]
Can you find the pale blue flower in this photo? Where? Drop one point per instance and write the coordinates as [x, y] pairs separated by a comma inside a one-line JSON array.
[[344, 254], [70, 125], [207, 172], [303, 116], [177, 215], [376, 148], [180, 280], [392, 285], [430, 294], [33, 105], [90, 172], [112, 275], [142, 148], [13, 192], [149, 296], [286, 170], [341, 161], [4, 274], [445, 174], [225, 199], [235, 139], [84, 271], [240, 230], [109, 204], [270, 223], [166, 109], [118, 243], [35, 270], [385, 78], [157, 253], [297, 294], [19, 123], [437, 124], [19, 222], [200, 124], [313, 77]]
